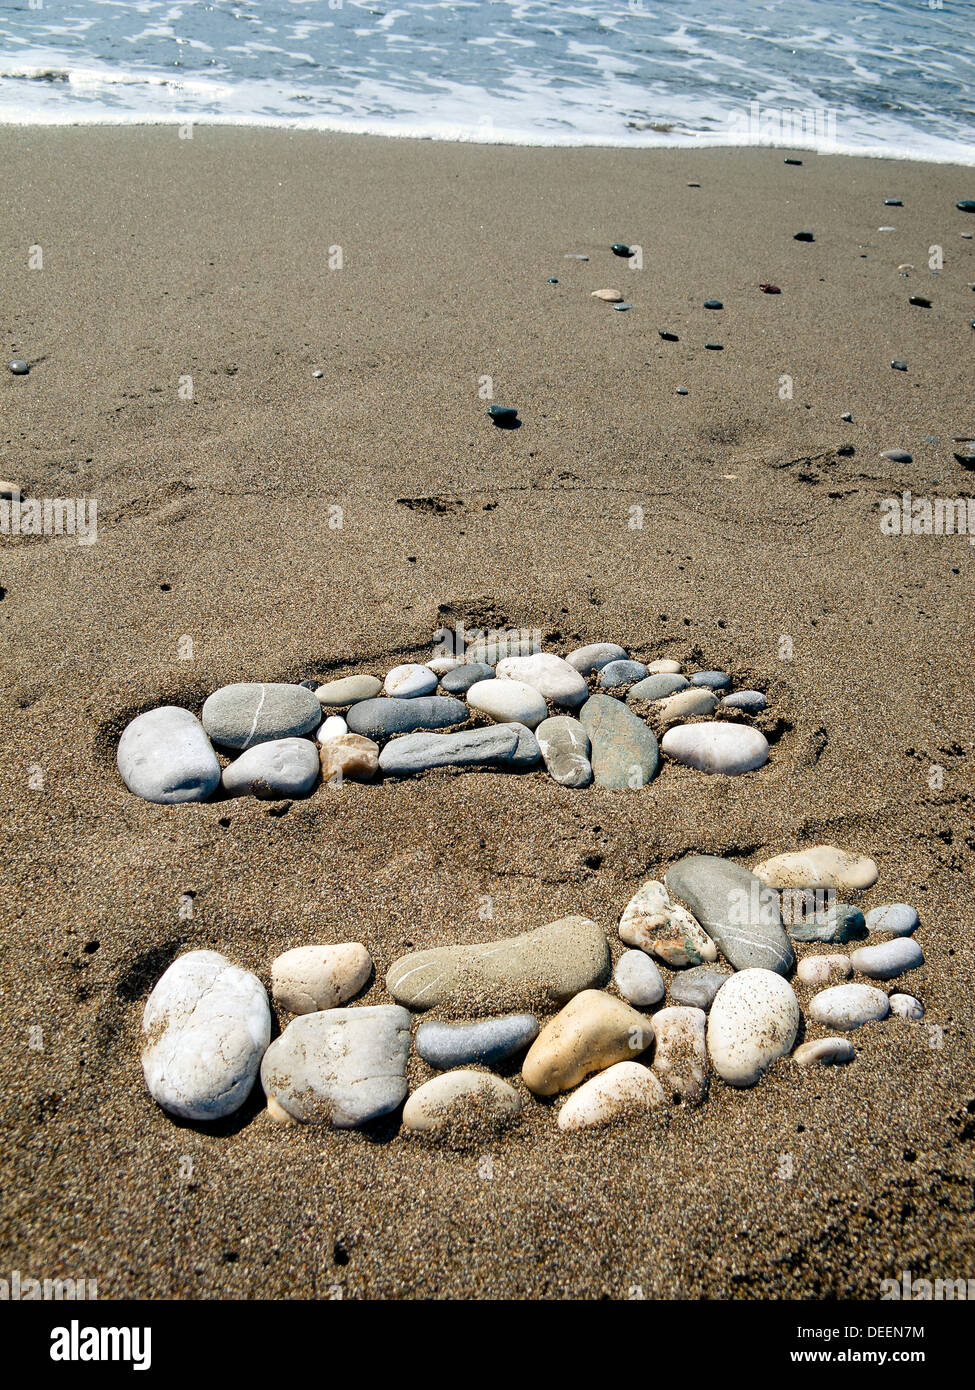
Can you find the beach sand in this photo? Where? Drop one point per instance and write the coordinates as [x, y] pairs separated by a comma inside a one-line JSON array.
[[166, 258]]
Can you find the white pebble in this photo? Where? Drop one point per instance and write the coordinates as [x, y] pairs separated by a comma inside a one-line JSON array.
[[819, 971], [638, 979], [906, 1006], [753, 1022], [333, 727]]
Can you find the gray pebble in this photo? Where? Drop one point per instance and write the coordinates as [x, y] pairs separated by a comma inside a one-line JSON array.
[[638, 979], [238, 716], [165, 756], [888, 959], [489, 1042], [461, 678], [696, 988], [895, 919], [19, 367], [280, 767], [621, 673], [378, 718], [714, 680], [749, 700], [657, 687], [468, 748]]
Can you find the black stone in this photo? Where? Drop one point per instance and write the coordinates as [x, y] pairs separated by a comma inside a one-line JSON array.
[[668, 337], [966, 205], [845, 451], [898, 365], [553, 282], [504, 416], [893, 203], [713, 304], [920, 301], [714, 347], [620, 248], [803, 236], [792, 161]]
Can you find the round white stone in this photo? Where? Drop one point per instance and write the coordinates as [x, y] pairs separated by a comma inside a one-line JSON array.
[[906, 1006], [408, 681], [440, 665], [849, 1006], [626, 1088], [663, 666], [552, 677], [893, 919], [638, 979], [165, 756], [819, 971], [207, 1025], [311, 978], [825, 1051], [717, 747], [888, 959], [508, 701], [753, 1022], [332, 727], [460, 1095]]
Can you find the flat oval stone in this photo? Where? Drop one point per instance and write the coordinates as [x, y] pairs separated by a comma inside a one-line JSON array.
[[348, 691], [610, 295], [206, 1024], [508, 700], [738, 912], [749, 700], [819, 971], [269, 771], [461, 1097], [713, 304], [332, 727], [638, 979], [824, 1051], [624, 749], [549, 964], [824, 866], [564, 745], [753, 1022], [653, 922], [894, 919], [906, 1006], [696, 989], [311, 978], [468, 748], [623, 1091], [848, 1006], [888, 959], [687, 703], [489, 1041], [657, 687], [680, 1056], [552, 677], [728, 749], [443, 665], [19, 367], [840, 923], [461, 678], [621, 673], [494, 646], [898, 455], [409, 680], [593, 1031], [348, 755], [165, 756], [713, 680], [380, 718], [342, 1067], [595, 656], [239, 716], [663, 666]]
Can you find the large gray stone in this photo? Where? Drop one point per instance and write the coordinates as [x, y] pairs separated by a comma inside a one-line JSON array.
[[283, 767], [238, 716], [164, 755], [461, 678], [736, 910], [468, 748], [379, 718], [624, 750]]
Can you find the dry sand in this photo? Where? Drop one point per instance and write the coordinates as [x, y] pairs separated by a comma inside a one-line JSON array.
[[209, 257]]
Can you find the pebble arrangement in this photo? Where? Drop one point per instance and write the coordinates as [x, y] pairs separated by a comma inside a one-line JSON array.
[[714, 943], [585, 718]]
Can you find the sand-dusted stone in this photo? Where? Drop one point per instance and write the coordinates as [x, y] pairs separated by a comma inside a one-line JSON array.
[[657, 687], [820, 971], [738, 912], [840, 922], [311, 978], [409, 680], [282, 767], [349, 690], [550, 675], [441, 665], [663, 666], [332, 727], [495, 646], [751, 701], [342, 1067], [165, 756], [549, 964], [729, 749], [380, 718], [461, 678], [753, 1022], [489, 1041], [238, 716], [621, 673], [593, 1031], [595, 656], [686, 704], [467, 748], [348, 755], [624, 751], [508, 700], [206, 1025], [894, 919], [680, 1056], [849, 1006], [824, 1052], [696, 988], [638, 979], [461, 1097], [653, 922], [824, 866], [906, 1006], [714, 680], [623, 1091], [564, 744], [888, 959]]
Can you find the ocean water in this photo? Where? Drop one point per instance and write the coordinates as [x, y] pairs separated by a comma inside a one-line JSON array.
[[885, 77]]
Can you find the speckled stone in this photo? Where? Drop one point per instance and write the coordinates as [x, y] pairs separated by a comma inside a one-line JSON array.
[[824, 866], [461, 1097], [820, 971], [624, 752], [680, 1056], [653, 922], [488, 1042], [753, 1022], [624, 1091], [239, 716]]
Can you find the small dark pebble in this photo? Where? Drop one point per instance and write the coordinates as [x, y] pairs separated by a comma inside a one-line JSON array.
[[966, 460], [792, 161], [667, 336], [714, 347], [682, 390], [966, 205], [920, 301], [19, 367], [713, 304], [553, 282], [847, 417], [846, 451], [620, 248], [621, 308], [503, 414], [310, 685], [898, 365], [803, 236], [766, 288], [893, 203]]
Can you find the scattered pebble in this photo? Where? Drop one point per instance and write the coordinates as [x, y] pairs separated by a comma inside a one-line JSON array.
[[343, 1067], [653, 922], [888, 959], [906, 1006], [310, 978], [279, 768], [574, 256], [893, 203], [726, 749], [620, 248], [488, 1042], [565, 748], [410, 680], [165, 756], [848, 1006], [318, 372], [896, 919], [667, 336], [621, 673], [753, 1022], [380, 718], [696, 988], [898, 455], [823, 866], [9, 490], [624, 751], [898, 365], [713, 304], [767, 288], [461, 1096], [820, 971], [682, 390], [638, 979], [966, 205], [680, 1056], [348, 755], [825, 1052], [738, 912], [792, 161], [920, 301], [847, 417], [593, 1031], [803, 236], [840, 922], [886, 229], [19, 367], [622, 1091], [509, 700], [241, 715], [714, 347], [751, 701], [348, 691], [551, 676], [206, 1024], [503, 414], [611, 296]]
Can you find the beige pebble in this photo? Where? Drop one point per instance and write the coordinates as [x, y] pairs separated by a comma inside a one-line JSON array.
[[823, 866], [625, 1089], [663, 666], [311, 978], [680, 1056], [611, 296], [824, 970], [593, 1031], [686, 703], [825, 1051], [349, 755], [475, 1097], [653, 922]]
